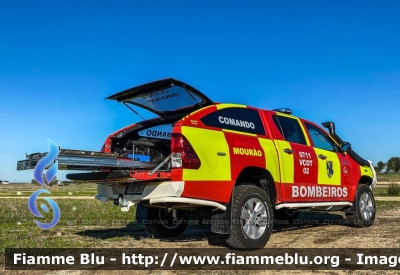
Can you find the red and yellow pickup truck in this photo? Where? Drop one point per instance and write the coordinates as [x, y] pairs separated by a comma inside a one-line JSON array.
[[234, 166]]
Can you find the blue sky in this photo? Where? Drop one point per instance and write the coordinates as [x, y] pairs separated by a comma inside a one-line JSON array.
[[327, 60]]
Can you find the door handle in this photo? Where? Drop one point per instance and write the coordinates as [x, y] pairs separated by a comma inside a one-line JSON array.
[[288, 151], [321, 156]]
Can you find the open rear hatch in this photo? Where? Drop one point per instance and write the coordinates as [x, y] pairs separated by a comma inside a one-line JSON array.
[[141, 151], [166, 97]]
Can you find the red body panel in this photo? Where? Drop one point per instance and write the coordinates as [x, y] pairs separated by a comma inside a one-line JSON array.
[[219, 191], [239, 162], [305, 164]]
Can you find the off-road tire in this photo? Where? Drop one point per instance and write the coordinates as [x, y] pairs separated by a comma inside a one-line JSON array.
[[160, 223], [364, 206], [286, 215], [238, 238]]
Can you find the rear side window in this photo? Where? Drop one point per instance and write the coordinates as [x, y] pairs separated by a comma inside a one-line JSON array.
[[290, 129], [236, 119], [320, 139]]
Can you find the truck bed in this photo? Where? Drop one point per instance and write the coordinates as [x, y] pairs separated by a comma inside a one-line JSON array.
[[85, 160]]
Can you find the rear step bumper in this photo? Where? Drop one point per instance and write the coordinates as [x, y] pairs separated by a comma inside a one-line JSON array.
[[175, 200], [85, 160], [327, 205], [164, 194]]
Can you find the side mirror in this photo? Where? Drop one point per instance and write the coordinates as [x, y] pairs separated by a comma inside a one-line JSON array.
[[345, 146]]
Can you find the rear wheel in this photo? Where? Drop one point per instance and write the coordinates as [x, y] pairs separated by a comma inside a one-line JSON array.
[[252, 218], [166, 224], [364, 205]]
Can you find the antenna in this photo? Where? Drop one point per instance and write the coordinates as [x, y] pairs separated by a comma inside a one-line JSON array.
[[245, 93]]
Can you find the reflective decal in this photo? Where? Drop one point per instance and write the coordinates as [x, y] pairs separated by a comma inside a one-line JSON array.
[[287, 165], [247, 151], [326, 168], [329, 168], [345, 171], [236, 119], [213, 167], [271, 158], [161, 95], [319, 192], [305, 161], [236, 122], [161, 131]]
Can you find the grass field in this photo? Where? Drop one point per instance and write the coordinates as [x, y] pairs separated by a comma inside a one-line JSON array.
[[381, 191], [84, 223], [388, 177], [85, 189]]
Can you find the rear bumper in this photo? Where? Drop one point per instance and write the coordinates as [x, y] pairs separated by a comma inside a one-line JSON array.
[[151, 190], [158, 194]]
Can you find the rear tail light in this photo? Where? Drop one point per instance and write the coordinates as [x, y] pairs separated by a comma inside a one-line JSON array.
[[183, 154]]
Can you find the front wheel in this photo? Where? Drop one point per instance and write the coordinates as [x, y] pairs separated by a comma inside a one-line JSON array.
[[252, 218], [166, 224], [364, 205]]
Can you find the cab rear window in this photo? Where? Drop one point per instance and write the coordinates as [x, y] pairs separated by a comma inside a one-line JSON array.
[[290, 129], [236, 119]]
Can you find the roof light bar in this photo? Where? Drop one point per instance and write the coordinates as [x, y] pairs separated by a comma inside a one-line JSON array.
[[284, 110]]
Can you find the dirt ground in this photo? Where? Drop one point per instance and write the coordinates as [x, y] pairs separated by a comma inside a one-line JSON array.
[[314, 230]]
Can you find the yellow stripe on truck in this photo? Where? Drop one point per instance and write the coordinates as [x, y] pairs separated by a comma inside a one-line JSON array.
[[207, 143], [271, 158], [304, 132], [287, 162], [238, 132], [224, 106], [323, 177], [366, 171]]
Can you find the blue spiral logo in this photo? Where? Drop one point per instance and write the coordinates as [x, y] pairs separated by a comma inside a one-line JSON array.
[[38, 175], [32, 207], [46, 161]]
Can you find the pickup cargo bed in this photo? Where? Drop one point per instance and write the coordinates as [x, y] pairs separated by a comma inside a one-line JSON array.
[[86, 160]]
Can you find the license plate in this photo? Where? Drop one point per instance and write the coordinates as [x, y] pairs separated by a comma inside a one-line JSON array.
[[134, 189]]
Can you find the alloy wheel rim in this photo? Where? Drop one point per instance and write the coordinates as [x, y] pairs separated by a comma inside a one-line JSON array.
[[254, 218], [366, 206]]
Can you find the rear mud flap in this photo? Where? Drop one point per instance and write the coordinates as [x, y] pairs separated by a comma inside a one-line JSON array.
[[141, 213], [221, 221], [350, 209]]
